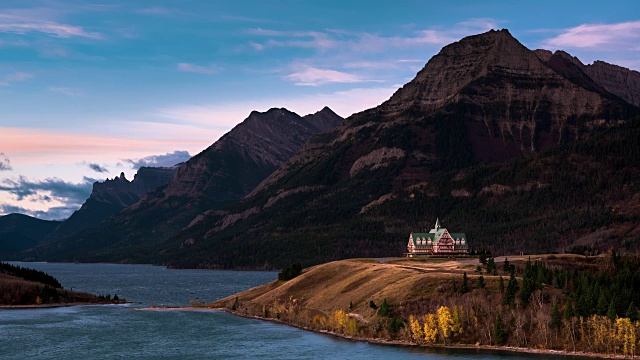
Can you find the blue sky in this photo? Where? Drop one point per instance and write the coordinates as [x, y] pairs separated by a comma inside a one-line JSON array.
[[89, 90]]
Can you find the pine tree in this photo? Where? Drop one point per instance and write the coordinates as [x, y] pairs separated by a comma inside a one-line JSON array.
[[500, 332], [454, 286], [611, 313], [568, 311], [481, 283], [501, 286], [632, 313], [603, 304], [384, 309], [506, 267], [465, 286], [556, 318], [512, 288]]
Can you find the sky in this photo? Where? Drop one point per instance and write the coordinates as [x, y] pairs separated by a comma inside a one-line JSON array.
[[89, 90]]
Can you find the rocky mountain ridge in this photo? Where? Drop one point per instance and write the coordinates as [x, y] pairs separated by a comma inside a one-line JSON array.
[[218, 176], [110, 197]]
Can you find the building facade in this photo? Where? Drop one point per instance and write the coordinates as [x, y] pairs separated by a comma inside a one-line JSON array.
[[438, 241]]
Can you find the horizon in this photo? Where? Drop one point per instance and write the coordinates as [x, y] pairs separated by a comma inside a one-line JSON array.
[[92, 91]]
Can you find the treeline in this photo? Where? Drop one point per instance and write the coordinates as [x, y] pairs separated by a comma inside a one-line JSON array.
[[30, 275]]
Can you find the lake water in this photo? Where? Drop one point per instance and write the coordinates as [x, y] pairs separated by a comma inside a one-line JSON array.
[[123, 332]]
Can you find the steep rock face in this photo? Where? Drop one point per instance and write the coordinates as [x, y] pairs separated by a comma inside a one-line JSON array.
[[253, 149], [111, 196], [484, 98], [218, 176], [20, 232], [617, 80]]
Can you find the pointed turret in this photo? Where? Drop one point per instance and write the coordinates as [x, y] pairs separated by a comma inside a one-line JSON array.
[[437, 224]]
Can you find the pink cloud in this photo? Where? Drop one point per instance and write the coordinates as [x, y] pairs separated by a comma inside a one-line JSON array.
[[312, 76], [38, 146], [624, 35]]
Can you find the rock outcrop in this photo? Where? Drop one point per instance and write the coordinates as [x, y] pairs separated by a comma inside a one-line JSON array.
[[111, 196]]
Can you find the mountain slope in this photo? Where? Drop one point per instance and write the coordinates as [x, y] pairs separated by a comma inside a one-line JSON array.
[[19, 232], [111, 196], [218, 176], [486, 98]]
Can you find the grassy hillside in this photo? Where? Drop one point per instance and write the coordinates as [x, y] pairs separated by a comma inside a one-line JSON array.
[[561, 302]]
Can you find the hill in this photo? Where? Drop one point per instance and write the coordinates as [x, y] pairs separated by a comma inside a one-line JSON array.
[[563, 303], [19, 232], [23, 287]]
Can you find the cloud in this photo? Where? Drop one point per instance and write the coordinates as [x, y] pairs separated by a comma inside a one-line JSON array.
[[20, 25], [349, 41], [158, 11], [5, 163], [625, 36], [48, 190], [198, 69], [65, 91], [124, 139], [53, 213], [9, 79], [312, 76], [97, 168], [166, 160]]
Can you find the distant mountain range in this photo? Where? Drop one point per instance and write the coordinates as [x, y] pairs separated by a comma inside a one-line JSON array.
[[218, 176], [112, 196], [522, 150]]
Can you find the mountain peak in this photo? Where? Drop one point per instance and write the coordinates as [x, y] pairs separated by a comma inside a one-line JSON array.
[[462, 62]]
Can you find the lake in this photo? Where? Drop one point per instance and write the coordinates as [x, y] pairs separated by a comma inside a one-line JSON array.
[[124, 331]]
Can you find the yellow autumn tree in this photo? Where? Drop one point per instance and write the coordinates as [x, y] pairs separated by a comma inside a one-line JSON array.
[[444, 322], [351, 327], [456, 321], [430, 327], [339, 320], [626, 335], [416, 328]]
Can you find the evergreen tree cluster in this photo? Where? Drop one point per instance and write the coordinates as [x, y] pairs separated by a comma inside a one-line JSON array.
[[30, 275], [290, 272]]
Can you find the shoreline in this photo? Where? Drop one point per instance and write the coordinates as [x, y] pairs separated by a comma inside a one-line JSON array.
[[404, 343], [52, 306]]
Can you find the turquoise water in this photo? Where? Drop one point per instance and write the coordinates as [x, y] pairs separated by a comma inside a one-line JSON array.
[[124, 332]]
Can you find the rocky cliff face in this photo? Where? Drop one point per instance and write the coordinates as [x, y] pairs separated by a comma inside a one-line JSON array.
[[485, 98], [111, 196], [614, 79], [216, 177], [617, 80]]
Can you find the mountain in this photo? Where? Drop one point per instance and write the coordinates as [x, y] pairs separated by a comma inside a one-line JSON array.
[[475, 106], [19, 232], [218, 176], [111, 196], [615, 79]]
